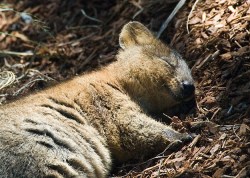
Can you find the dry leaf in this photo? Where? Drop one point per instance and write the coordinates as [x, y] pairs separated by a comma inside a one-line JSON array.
[[218, 173], [244, 129], [226, 159], [194, 20], [213, 128], [203, 19], [223, 136], [245, 172], [226, 56], [20, 36], [214, 149]]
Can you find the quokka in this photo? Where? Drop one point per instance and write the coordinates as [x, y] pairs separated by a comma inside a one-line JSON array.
[[76, 128]]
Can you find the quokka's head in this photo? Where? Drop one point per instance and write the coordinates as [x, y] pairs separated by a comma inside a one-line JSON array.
[[155, 76]]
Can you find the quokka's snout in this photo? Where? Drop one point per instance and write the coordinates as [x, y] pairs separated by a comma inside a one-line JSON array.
[[187, 89]]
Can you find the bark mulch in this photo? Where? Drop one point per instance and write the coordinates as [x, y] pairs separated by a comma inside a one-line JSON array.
[[44, 42]]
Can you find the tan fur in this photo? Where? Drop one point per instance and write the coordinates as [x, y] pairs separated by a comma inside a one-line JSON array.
[[73, 129]]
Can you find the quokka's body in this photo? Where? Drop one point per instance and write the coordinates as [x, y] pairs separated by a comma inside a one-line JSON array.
[[75, 128]]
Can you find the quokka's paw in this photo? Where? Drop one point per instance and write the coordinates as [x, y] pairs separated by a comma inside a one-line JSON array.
[[185, 138], [176, 139], [177, 144]]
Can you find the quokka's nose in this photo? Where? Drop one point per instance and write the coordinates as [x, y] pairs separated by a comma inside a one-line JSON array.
[[188, 89]]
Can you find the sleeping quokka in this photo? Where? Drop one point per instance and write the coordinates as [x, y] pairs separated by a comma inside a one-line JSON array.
[[76, 128]]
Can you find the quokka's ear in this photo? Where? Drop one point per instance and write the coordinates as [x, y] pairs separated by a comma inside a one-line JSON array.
[[134, 33]]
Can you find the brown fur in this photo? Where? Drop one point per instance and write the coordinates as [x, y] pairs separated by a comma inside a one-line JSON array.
[[74, 128]]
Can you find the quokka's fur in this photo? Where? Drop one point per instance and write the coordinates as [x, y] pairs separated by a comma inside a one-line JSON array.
[[73, 129]]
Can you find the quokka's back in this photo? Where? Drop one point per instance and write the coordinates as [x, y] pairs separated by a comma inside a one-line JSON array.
[[75, 128]]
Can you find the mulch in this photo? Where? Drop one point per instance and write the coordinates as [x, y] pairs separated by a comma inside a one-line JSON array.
[[44, 42]]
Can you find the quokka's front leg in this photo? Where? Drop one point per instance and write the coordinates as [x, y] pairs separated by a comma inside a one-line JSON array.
[[140, 135]]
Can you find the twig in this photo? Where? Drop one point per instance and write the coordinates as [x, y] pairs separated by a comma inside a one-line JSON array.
[[5, 52], [90, 18], [27, 85], [204, 155], [170, 17], [227, 176], [217, 110], [137, 13], [195, 140], [230, 110], [189, 15], [211, 57], [6, 9], [159, 169], [228, 127], [153, 167], [170, 118], [244, 172], [200, 63], [234, 130], [39, 73], [168, 147], [77, 40], [6, 79], [236, 42], [88, 59], [159, 156], [83, 26], [198, 124]]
